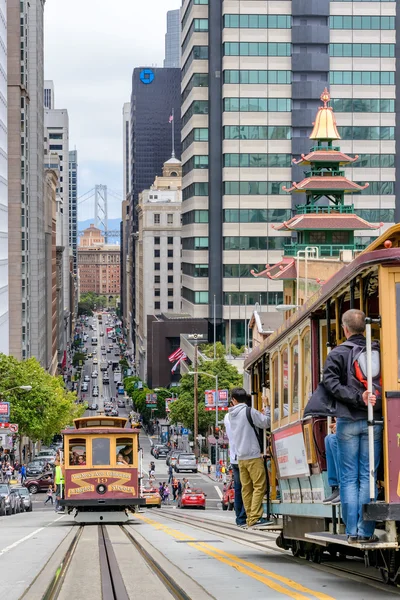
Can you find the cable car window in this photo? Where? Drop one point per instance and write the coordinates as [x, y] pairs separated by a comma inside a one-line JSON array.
[[77, 452], [275, 383], [101, 451], [306, 366], [295, 377], [285, 381], [124, 451]]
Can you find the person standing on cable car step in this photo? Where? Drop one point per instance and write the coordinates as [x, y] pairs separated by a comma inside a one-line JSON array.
[[244, 425], [239, 506], [344, 378]]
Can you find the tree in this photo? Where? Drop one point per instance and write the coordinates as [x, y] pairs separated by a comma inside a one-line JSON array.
[[46, 409], [77, 358], [220, 352], [182, 410]]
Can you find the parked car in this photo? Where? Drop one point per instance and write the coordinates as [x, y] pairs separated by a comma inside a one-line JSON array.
[[39, 484], [152, 496], [13, 502], [3, 511], [25, 496], [185, 462], [153, 448], [194, 497], [161, 452], [173, 457], [34, 468], [228, 498]]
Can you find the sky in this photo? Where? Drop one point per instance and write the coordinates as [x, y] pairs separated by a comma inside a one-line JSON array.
[[91, 49]]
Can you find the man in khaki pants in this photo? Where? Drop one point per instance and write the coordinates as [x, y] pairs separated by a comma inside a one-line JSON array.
[[243, 421]]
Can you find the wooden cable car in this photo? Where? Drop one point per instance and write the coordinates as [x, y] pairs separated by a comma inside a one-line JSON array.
[[287, 367], [101, 469]]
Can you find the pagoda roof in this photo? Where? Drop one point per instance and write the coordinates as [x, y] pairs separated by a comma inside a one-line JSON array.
[[326, 184], [325, 128], [285, 269], [325, 222], [325, 156]]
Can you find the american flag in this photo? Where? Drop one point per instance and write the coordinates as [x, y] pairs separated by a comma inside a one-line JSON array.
[[181, 359], [171, 118], [177, 355]]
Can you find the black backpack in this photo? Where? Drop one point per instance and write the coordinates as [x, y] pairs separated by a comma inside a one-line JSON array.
[[257, 431]]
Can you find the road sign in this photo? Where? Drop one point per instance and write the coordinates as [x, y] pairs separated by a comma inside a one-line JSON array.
[[185, 431], [13, 427], [4, 425], [4, 409]]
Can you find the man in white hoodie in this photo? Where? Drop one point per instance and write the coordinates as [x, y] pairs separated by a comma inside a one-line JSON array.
[[243, 421]]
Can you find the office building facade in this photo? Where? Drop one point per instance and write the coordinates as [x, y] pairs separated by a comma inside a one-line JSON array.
[[98, 264], [252, 76], [173, 40], [155, 97], [126, 149], [158, 254], [57, 133], [4, 297], [49, 100], [73, 206]]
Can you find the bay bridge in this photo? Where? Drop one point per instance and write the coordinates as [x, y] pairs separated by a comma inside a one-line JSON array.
[[100, 193]]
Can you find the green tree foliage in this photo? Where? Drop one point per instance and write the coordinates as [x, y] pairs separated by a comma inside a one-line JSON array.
[[84, 309], [78, 356], [46, 409], [182, 410], [208, 350], [89, 302]]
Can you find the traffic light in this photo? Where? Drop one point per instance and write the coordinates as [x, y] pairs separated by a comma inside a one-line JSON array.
[[217, 431]]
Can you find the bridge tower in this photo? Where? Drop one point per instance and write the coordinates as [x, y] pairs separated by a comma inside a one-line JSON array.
[[100, 209]]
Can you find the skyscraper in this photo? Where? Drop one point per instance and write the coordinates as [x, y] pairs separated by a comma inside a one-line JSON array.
[[173, 40], [73, 205], [155, 100], [126, 150], [37, 224], [4, 313], [18, 178], [251, 85], [49, 100]]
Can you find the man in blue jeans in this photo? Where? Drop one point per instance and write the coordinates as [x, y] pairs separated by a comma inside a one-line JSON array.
[[239, 506], [352, 428]]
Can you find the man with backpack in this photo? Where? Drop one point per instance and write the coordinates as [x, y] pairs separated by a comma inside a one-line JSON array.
[[244, 425], [345, 381]]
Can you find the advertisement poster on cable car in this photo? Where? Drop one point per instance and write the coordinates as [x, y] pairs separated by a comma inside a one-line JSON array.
[[290, 452]]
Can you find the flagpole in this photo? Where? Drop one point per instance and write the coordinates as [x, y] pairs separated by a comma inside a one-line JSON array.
[[173, 134]]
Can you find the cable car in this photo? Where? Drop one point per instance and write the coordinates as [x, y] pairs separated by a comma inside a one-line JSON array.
[[101, 462]]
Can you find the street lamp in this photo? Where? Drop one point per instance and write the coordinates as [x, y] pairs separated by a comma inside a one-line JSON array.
[[25, 388], [216, 404]]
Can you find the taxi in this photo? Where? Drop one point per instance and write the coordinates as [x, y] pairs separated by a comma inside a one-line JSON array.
[[152, 497]]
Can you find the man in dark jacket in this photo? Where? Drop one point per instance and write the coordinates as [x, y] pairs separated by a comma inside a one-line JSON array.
[[352, 429]]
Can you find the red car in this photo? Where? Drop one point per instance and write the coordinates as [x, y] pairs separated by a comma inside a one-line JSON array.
[[228, 498], [192, 497], [39, 484]]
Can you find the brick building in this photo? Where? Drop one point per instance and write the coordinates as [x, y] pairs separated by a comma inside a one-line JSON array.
[[98, 264]]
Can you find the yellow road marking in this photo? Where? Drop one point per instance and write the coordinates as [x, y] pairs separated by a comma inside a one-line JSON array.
[[243, 566]]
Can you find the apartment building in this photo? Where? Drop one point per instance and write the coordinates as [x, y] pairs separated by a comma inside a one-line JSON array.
[[73, 206], [98, 264], [252, 76], [4, 300]]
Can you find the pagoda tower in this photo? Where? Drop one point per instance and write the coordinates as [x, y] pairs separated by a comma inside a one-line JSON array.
[[324, 225], [325, 221]]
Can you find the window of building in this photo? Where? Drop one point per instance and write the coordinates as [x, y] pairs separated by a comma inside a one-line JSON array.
[[157, 218], [170, 306], [170, 279], [156, 254], [367, 133], [361, 22], [257, 105], [156, 266], [170, 218], [170, 241], [249, 77], [258, 21], [257, 49], [157, 292], [170, 254], [363, 50], [170, 292], [157, 278], [257, 160], [156, 305], [374, 105], [157, 239], [253, 132], [170, 266], [255, 188]]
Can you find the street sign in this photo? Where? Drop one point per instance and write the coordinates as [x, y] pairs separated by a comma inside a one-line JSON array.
[[4, 409], [4, 425], [185, 431], [210, 399], [13, 427]]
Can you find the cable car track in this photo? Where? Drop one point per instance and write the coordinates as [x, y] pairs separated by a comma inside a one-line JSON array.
[[112, 582]]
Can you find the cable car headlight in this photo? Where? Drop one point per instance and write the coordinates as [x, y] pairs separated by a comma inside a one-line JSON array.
[[101, 488]]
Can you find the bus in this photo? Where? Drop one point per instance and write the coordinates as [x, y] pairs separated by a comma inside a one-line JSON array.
[[94, 341]]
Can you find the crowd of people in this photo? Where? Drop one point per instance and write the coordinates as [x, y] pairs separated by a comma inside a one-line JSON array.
[[10, 468]]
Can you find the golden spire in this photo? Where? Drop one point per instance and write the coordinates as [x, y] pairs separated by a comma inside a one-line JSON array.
[[325, 123]]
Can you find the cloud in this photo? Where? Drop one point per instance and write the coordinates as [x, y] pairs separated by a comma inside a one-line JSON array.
[[91, 49]]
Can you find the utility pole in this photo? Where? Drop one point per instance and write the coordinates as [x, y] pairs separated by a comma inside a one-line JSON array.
[[196, 405]]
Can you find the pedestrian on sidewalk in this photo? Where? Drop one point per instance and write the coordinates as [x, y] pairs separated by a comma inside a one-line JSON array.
[[218, 471], [175, 484], [240, 511], [170, 474]]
